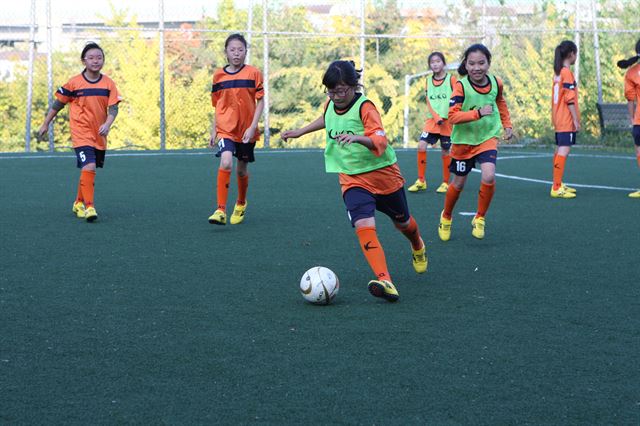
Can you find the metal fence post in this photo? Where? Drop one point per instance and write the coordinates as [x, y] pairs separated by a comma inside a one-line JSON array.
[[362, 38], [265, 49], [32, 42], [163, 124], [50, 72], [596, 47], [576, 67], [249, 30]]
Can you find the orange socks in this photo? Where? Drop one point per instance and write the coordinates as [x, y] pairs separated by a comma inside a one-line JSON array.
[[638, 158], [412, 233], [422, 164], [243, 184], [450, 200], [372, 250], [79, 196], [484, 198], [558, 170], [223, 187], [446, 174], [87, 182]]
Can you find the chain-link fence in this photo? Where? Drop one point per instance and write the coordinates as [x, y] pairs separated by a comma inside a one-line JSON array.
[[162, 55]]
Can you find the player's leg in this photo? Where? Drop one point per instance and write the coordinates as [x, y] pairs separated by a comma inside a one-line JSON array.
[[421, 184], [395, 206], [244, 155], [564, 141], [487, 162], [445, 145], [226, 149], [460, 169], [636, 140], [86, 160], [361, 206]]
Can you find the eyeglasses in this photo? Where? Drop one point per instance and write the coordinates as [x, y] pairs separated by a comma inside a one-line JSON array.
[[339, 92]]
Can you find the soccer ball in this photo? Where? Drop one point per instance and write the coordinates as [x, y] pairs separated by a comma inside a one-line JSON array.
[[319, 285]]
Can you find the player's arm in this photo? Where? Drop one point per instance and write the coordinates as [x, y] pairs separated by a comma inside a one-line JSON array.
[[53, 111], [374, 137], [456, 115], [568, 88], [251, 131], [505, 116], [631, 107], [630, 94], [111, 117], [212, 139], [317, 124]]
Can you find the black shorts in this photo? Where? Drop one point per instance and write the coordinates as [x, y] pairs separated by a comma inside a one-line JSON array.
[[88, 154], [636, 134], [362, 204], [566, 138], [242, 151], [432, 138], [463, 167]]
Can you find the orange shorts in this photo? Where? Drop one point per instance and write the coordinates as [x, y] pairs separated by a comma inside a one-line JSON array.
[[465, 152]]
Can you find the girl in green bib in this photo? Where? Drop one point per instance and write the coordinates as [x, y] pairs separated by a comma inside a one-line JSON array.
[[479, 114], [437, 126], [358, 150]]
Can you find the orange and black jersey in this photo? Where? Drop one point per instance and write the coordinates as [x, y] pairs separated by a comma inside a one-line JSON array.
[[88, 107], [234, 96], [632, 90], [565, 93]]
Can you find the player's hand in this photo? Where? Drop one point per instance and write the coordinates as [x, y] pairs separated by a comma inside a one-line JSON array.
[[104, 130], [346, 139], [42, 131], [486, 110], [508, 133], [248, 134], [212, 140], [290, 134], [577, 124]]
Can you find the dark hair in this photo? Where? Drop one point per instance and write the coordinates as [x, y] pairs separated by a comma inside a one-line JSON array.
[[235, 36], [341, 72], [88, 47], [439, 55], [478, 47], [563, 50], [626, 63]]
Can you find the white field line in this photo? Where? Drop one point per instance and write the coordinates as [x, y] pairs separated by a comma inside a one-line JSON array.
[[549, 182]]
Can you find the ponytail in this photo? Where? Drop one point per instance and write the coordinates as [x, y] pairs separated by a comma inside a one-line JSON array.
[[563, 50], [626, 63]]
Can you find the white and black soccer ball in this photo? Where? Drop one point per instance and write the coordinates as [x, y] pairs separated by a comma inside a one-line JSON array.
[[319, 285]]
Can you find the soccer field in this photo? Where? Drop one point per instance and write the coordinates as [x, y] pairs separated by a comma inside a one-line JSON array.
[[152, 315]]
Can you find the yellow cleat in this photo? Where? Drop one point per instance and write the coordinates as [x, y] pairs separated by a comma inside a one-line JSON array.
[[635, 194], [568, 188], [442, 188], [78, 209], [219, 217], [238, 213], [384, 289], [477, 225], [561, 193], [444, 228], [90, 214], [418, 186], [419, 258]]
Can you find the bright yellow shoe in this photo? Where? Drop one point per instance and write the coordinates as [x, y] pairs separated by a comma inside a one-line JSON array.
[[444, 228], [219, 217], [569, 189], [419, 258], [384, 289], [78, 209], [90, 214], [238, 213], [418, 186], [561, 193], [477, 227], [442, 188], [635, 194]]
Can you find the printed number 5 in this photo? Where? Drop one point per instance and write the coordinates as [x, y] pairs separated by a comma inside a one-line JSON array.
[[83, 157], [461, 166]]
